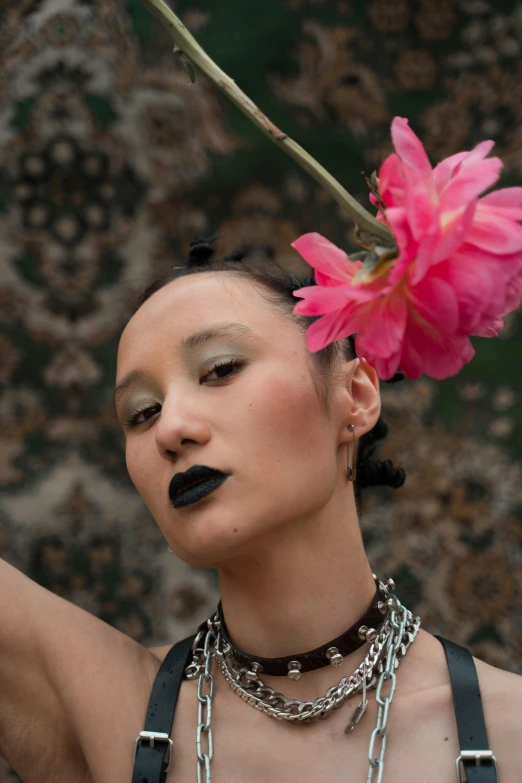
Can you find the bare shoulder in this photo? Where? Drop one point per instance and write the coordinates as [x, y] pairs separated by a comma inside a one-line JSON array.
[[501, 693], [159, 652], [500, 689]]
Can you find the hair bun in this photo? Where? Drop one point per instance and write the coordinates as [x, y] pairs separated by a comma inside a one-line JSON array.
[[303, 282], [251, 249], [381, 472], [201, 251]]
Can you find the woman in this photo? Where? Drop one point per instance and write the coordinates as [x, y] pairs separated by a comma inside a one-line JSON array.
[[274, 423]]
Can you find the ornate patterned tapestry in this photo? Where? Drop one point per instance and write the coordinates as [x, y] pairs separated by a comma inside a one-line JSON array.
[[111, 162]]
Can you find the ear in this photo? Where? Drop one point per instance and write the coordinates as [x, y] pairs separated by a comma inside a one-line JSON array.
[[362, 399]]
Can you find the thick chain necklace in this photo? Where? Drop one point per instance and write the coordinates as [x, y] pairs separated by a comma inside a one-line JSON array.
[[386, 652]]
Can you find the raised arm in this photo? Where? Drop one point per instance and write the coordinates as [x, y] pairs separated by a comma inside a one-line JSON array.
[[67, 679], [33, 723]]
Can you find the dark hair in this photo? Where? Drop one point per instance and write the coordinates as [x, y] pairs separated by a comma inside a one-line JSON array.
[[277, 287]]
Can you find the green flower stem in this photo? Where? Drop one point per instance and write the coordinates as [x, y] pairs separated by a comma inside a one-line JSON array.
[[186, 45]]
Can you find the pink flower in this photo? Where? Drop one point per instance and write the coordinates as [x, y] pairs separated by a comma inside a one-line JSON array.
[[458, 270]]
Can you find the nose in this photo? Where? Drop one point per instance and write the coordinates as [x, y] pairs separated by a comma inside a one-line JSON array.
[[177, 429]]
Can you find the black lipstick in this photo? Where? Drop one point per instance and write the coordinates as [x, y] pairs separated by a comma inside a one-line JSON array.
[[193, 484], [195, 493]]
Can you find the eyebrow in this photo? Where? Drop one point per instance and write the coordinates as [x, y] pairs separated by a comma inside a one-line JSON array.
[[188, 344]]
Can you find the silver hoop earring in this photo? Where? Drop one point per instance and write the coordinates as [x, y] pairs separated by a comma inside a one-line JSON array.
[[351, 470], [170, 549]]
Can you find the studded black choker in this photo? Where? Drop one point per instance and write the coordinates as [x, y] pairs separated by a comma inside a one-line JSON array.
[[364, 630]]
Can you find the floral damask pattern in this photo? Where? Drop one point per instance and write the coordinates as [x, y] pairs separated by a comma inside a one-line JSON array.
[[111, 162]]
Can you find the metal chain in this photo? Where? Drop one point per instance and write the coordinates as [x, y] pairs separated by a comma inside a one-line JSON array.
[[275, 704], [205, 711], [392, 651], [399, 639]]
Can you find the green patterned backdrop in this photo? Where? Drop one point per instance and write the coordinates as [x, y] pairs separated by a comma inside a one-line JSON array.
[[111, 162]]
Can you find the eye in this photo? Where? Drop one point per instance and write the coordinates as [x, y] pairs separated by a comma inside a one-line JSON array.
[[232, 364]]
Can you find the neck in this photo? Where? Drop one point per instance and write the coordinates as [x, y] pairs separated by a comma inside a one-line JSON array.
[[299, 591]]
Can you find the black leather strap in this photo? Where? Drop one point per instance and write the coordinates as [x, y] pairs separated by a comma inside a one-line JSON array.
[[346, 643], [468, 712], [149, 763]]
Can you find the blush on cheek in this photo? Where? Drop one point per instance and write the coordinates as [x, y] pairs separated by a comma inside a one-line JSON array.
[[289, 405]]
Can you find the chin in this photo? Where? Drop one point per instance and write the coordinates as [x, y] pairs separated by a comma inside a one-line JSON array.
[[209, 545]]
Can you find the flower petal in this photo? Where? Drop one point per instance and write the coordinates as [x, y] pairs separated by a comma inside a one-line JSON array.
[[409, 148], [469, 183], [511, 213], [391, 181], [443, 172], [436, 354], [434, 300], [478, 152], [330, 328], [323, 256], [399, 226], [385, 368], [454, 232], [490, 329], [382, 331], [510, 263], [425, 251], [321, 299], [513, 293], [505, 197], [495, 234], [506, 202], [420, 195], [478, 286], [410, 361]]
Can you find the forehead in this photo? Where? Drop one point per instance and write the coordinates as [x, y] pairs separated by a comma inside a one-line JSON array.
[[194, 301]]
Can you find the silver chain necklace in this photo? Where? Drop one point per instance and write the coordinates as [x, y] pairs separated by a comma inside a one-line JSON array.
[[386, 652]]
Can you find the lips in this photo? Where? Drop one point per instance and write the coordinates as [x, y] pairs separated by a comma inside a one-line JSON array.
[[188, 486], [194, 475]]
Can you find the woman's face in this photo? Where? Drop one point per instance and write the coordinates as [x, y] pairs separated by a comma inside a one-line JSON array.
[[263, 423]]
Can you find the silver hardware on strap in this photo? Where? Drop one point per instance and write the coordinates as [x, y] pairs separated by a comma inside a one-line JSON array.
[[477, 755], [153, 736]]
